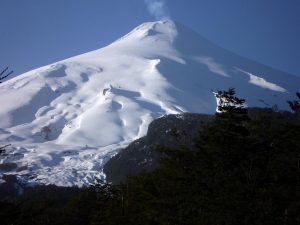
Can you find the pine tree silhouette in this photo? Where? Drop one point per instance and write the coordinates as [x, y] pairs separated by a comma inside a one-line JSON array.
[[5, 73]]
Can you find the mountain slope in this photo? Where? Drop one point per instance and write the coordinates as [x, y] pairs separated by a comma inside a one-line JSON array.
[[64, 120], [173, 131]]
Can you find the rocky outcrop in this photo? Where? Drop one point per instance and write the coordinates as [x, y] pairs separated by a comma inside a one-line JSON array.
[[174, 131], [143, 154]]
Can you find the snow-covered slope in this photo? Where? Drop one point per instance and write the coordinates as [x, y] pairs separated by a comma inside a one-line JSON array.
[[64, 120]]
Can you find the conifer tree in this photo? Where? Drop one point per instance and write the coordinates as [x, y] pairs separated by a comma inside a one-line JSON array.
[[295, 105], [5, 73]]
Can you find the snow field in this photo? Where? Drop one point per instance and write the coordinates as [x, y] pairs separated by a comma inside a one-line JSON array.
[[66, 119]]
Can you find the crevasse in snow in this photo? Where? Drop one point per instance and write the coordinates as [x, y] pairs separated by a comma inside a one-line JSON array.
[[66, 119]]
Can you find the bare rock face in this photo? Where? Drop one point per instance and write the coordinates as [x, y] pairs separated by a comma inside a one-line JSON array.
[[6, 167], [106, 98], [143, 154], [174, 131]]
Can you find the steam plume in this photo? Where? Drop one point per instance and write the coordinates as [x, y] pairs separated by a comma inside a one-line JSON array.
[[157, 8]]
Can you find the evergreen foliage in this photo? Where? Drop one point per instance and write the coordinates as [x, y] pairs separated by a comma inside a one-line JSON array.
[[5, 73], [243, 171], [295, 105]]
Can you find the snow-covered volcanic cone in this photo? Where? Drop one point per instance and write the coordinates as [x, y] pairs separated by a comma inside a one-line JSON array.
[[65, 119]]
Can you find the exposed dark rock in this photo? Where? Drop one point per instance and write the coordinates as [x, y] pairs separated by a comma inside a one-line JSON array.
[[142, 154], [6, 167], [173, 131]]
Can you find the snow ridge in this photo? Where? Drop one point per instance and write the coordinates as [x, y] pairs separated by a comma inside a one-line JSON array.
[[66, 119]]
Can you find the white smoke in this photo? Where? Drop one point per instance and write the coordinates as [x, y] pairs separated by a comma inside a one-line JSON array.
[[158, 9]]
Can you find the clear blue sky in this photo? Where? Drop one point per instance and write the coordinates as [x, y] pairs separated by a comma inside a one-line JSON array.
[[34, 33]]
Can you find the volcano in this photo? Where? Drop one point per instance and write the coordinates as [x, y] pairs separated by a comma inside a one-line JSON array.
[[66, 119]]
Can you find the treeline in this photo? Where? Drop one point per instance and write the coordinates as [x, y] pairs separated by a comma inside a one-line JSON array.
[[243, 172]]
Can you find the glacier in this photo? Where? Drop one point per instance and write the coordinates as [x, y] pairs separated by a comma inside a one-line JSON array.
[[65, 120]]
